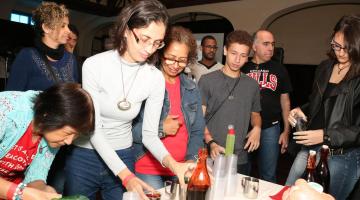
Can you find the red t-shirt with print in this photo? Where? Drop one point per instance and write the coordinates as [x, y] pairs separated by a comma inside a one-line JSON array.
[[15, 162]]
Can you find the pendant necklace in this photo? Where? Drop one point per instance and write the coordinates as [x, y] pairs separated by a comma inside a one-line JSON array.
[[124, 104], [340, 69], [231, 92]]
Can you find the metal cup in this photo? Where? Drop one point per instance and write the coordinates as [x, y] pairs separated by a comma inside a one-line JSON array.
[[250, 187], [301, 124], [173, 189]]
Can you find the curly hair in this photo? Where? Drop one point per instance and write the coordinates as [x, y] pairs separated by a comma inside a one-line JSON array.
[[49, 14], [184, 36]]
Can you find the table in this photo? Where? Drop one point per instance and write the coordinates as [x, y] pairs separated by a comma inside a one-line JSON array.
[[266, 189]]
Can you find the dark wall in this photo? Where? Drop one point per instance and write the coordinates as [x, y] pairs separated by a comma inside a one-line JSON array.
[[302, 78], [13, 37]]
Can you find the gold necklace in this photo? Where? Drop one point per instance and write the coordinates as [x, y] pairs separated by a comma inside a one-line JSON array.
[[340, 69]]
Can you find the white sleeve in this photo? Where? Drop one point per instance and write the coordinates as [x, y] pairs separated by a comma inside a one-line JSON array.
[[91, 79], [151, 120]]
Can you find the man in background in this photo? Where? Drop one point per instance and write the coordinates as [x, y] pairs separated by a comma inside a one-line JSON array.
[[275, 86], [71, 45], [208, 62], [72, 39]]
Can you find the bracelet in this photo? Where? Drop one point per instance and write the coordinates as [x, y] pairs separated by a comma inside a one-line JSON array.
[[127, 179], [19, 191], [11, 191]]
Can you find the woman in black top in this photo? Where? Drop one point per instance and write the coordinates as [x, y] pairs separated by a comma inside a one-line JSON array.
[[333, 112]]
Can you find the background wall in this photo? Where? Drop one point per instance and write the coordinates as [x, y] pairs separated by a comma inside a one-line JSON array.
[[305, 34], [301, 27]]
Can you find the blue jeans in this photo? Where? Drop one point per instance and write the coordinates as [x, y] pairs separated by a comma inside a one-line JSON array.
[[268, 153], [344, 171], [155, 181], [87, 173], [56, 176]]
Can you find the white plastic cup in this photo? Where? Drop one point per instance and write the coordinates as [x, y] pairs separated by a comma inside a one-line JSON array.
[[231, 164], [219, 166]]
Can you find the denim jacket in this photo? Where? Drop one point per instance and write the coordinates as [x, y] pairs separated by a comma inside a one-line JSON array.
[[16, 113], [191, 108]]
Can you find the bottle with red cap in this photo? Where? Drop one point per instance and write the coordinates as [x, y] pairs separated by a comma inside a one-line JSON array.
[[230, 141]]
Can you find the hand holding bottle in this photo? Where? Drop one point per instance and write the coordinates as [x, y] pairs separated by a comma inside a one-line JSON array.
[[179, 169], [296, 113], [308, 138]]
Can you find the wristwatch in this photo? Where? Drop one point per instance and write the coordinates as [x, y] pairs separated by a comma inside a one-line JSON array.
[[210, 142], [326, 139]]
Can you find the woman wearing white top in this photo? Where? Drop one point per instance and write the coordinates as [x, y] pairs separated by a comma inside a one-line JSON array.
[[119, 80]]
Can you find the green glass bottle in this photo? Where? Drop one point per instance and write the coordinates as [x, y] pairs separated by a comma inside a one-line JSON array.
[[230, 141], [74, 197]]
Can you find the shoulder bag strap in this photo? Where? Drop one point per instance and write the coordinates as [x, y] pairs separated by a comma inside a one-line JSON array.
[[210, 115]]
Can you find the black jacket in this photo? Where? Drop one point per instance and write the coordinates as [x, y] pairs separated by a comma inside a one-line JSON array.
[[342, 109]]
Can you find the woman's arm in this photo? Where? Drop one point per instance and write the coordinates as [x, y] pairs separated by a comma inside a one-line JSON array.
[[28, 192], [91, 84], [152, 111]]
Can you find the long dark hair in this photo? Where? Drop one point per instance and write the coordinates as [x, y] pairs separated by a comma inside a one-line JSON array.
[[138, 14], [349, 25], [64, 105]]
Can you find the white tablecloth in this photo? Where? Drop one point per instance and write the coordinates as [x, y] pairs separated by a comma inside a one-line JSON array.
[[266, 189]]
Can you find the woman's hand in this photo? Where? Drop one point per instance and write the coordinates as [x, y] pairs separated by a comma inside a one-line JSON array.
[[41, 185], [310, 137], [302, 191], [32, 193], [133, 183], [179, 169], [294, 113], [138, 186], [171, 124]]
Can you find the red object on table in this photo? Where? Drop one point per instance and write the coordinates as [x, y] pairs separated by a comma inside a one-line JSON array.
[[278, 196]]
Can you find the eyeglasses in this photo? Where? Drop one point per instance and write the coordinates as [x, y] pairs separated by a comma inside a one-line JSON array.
[[337, 47], [172, 61], [145, 42], [210, 47]]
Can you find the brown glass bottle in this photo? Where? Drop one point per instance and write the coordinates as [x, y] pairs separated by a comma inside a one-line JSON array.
[[199, 182], [322, 169], [309, 173]]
